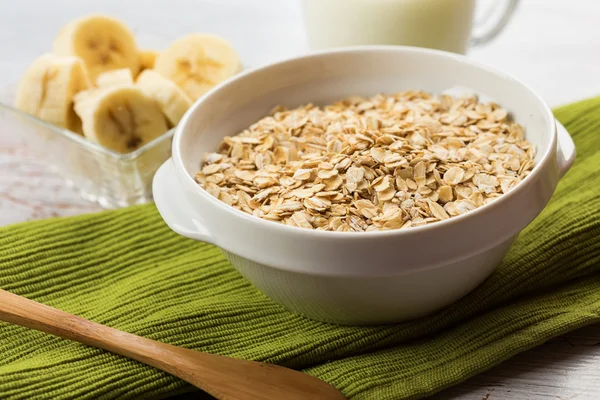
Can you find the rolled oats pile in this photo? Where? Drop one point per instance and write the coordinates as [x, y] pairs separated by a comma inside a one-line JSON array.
[[364, 164]]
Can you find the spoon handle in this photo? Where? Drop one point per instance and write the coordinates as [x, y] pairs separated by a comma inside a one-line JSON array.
[[223, 377], [192, 366], [28, 313]]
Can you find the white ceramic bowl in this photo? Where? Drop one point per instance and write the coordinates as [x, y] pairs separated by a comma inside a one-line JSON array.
[[358, 278]]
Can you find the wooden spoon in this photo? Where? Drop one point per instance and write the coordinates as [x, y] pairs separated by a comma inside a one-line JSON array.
[[222, 377]]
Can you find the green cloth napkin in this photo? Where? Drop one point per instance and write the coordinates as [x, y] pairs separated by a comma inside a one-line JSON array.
[[126, 269]]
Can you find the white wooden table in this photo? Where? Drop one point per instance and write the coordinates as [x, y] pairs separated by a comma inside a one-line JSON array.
[[554, 45]]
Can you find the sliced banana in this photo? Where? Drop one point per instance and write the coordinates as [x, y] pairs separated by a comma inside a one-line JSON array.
[[171, 99], [48, 86], [197, 62], [114, 78], [88, 94], [103, 43], [121, 118], [147, 59]]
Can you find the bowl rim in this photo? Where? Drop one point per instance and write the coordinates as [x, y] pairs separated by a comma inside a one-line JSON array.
[[82, 141], [192, 186]]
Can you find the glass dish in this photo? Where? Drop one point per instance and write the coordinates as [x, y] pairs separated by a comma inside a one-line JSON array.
[[109, 178]]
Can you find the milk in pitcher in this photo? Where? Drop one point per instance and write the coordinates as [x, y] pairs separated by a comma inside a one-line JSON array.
[[438, 24]]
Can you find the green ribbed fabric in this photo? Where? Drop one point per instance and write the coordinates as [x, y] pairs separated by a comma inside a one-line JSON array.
[[126, 269]]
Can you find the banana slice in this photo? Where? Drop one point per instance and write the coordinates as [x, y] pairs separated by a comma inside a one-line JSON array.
[[171, 99], [114, 78], [197, 62], [147, 59], [88, 94], [48, 87], [121, 118], [103, 43]]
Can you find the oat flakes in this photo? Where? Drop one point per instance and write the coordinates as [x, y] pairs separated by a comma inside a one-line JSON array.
[[364, 164]]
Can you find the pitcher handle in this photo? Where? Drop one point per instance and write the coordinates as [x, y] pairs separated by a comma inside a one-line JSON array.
[[484, 31]]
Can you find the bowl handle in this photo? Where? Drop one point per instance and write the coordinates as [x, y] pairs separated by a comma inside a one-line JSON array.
[[566, 150], [173, 206]]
